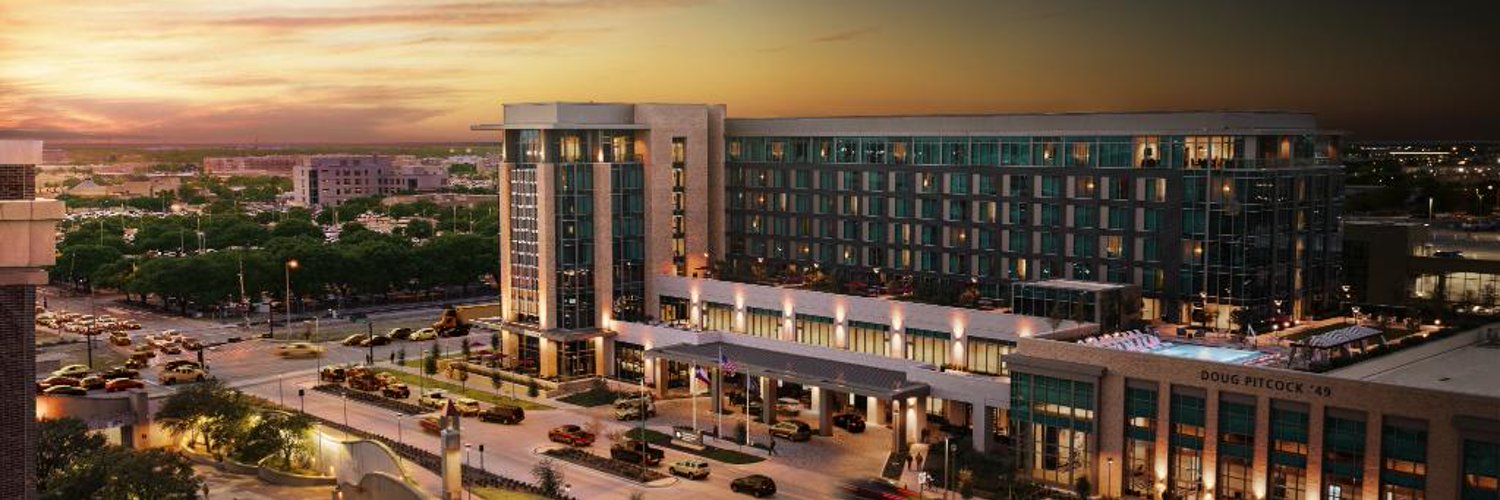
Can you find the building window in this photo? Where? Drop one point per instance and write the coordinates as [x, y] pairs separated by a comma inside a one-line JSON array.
[[1236, 448], [1403, 451], [1185, 457], [1140, 441], [1481, 470], [1343, 457], [869, 338], [763, 322], [1053, 419], [987, 356], [815, 330], [927, 346], [718, 317]]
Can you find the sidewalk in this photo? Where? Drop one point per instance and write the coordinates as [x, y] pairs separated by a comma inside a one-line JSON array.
[[482, 384]]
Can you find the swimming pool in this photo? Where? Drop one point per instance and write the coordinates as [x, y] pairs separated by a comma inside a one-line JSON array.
[[1206, 353]]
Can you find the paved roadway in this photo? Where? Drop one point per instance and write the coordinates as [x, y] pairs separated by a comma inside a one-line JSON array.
[[802, 471]]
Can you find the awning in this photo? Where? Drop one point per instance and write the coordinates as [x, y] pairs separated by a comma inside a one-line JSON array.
[[1341, 336], [806, 370]]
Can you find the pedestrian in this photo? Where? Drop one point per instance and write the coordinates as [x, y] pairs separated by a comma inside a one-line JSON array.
[[393, 357], [908, 461], [772, 447]]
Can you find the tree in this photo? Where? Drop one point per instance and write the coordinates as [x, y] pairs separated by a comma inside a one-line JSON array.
[[418, 228], [430, 364], [209, 408], [549, 478], [61, 445], [463, 347], [280, 435], [84, 261], [154, 473], [71, 463], [294, 228], [1083, 487]]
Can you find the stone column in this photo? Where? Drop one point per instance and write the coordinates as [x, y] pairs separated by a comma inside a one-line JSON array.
[[1374, 430], [877, 412], [898, 425], [980, 420], [767, 401], [28, 240], [1315, 451], [918, 427], [548, 353], [716, 391], [659, 376], [821, 400]]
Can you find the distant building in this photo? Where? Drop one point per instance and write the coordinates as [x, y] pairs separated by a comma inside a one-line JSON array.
[[330, 180], [278, 165]]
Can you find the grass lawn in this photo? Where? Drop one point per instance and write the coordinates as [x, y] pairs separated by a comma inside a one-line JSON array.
[[417, 381], [499, 494], [591, 398], [709, 452]]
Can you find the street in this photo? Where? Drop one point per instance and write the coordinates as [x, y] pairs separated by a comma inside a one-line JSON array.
[[802, 470]]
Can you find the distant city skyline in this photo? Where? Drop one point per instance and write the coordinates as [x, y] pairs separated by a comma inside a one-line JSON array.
[[297, 71]]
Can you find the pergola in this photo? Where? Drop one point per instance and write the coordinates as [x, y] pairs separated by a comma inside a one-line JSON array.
[[1337, 343]]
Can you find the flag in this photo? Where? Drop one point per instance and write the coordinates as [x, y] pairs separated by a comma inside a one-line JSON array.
[[726, 364], [702, 375]]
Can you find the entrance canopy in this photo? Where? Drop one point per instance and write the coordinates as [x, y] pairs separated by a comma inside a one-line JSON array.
[[805, 370]]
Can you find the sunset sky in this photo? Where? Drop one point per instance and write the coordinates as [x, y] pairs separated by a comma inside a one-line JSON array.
[[372, 71]]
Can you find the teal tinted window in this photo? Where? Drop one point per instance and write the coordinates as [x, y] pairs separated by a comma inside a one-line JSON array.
[[1015, 152], [1343, 446]]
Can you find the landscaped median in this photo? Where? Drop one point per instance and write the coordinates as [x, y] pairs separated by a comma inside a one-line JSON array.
[[617, 468], [374, 399], [418, 381], [727, 456]]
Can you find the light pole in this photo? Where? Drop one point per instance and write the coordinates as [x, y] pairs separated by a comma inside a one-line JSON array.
[[947, 447], [400, 441], [290, 265], [1108, 472]]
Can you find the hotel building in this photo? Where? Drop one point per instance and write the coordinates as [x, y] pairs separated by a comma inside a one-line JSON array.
[[330, 180], [617, 218]]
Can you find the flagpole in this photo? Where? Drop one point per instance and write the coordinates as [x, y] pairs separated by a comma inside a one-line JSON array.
[[693, 394], [719, 398], [747, 407]]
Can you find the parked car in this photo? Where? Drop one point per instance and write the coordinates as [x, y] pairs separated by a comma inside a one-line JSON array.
[[119, 340], [134, 363], [396, 390], [333, 374], [378, 340], [874, 488], [431, 423], [55, 381], [571, 435], [65, 390], [91, 382], [503, 414], [192, 344], [121, 384], [299, 350], [401, 333], [433, 399], [792, 430], [173, 375], [171, 348], [353, 340], [74, 371], [630, 409], [754, 485], [424, 334], [637, 452], [852, 422], [466, 407], [120, 372], [691, 468]]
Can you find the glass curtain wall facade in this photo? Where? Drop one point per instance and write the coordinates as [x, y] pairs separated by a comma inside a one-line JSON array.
[[1054, 423], [524, 271], [1140, 439], [1288, 456], [575, 246], [949, 211], [1189, 415], [628, 232]]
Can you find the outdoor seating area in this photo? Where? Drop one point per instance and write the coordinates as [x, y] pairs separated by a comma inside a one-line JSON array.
[[1143, 340]]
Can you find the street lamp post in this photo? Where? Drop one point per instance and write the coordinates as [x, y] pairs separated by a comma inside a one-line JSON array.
[[400, 441], [1108, 472], [290, 265]]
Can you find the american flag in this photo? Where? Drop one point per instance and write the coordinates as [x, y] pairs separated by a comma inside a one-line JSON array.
[[726, 364]]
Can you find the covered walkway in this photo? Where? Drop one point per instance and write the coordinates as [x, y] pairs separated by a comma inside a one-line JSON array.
[[891, 399]]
